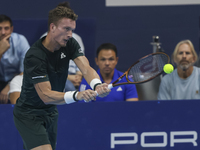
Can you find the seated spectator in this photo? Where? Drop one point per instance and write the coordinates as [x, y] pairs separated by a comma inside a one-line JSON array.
[[13, 48], [184, 82], [106, 59]]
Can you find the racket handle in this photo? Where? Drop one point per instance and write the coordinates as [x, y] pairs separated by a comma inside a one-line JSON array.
[[97, 93], [110, 86]]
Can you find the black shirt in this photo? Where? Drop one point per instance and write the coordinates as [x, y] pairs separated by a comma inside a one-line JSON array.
[[42, 65]]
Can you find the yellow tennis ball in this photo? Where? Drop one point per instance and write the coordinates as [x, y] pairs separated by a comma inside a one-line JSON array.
[[168, 68]]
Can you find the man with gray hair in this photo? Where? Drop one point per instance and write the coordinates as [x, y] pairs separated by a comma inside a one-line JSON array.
[[184, 81]]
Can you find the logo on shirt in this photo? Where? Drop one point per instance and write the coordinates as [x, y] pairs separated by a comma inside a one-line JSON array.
[[82, 87], [62, 55], [80, 50], [119, 89], [38, 77]]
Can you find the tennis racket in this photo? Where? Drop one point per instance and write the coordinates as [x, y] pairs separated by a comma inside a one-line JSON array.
[[144, 70]]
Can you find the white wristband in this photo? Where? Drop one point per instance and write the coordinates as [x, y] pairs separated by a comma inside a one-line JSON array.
[[68, 97], [94, 81]]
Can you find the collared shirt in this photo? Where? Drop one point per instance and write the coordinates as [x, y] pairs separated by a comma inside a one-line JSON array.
[[11, 62], [118, 93]]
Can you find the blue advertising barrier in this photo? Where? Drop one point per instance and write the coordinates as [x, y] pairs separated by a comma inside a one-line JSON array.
[[143, 125]]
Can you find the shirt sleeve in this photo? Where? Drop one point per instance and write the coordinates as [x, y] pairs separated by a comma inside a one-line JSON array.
[[23, 46], [16, 83], [36, 70], [79, 40], [76, 50]]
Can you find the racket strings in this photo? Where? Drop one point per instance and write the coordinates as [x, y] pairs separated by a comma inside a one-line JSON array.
[[148, 67]]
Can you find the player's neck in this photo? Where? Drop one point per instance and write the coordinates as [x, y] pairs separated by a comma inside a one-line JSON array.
[[50, 44], [185, 73]]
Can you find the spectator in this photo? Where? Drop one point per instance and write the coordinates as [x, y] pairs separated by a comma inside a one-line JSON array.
[[106, 59], [13, 48], [184, 81]]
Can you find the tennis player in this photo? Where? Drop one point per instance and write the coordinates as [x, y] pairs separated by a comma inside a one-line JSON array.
[[45, 72]]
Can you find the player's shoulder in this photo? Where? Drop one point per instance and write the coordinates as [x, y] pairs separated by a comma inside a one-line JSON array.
[[72, 41], [37, 50], [73, 45]]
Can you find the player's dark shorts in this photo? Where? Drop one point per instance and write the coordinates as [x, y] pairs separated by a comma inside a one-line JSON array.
[[37, 130]]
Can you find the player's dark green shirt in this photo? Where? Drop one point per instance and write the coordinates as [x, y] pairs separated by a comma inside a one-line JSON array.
[[42, 65]]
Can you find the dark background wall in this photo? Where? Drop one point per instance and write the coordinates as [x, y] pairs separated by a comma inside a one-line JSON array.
[[129, 28]]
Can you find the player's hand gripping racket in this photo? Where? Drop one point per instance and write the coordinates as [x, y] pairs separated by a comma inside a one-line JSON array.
[[143, 70]]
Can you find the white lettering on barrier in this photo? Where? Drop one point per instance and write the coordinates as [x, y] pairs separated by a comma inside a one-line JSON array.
[[188, 140], [115, 142], [145, 134], [173, 140]]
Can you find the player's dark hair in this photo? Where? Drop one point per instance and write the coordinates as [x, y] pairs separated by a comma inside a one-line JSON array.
[[64, 4], [4, 18], [60, 12], [106, 46]]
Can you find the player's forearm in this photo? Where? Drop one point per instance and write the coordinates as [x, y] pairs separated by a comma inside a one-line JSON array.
[[87, 71], [47, 95], [90, 74], [52, 97], [59, 98]]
